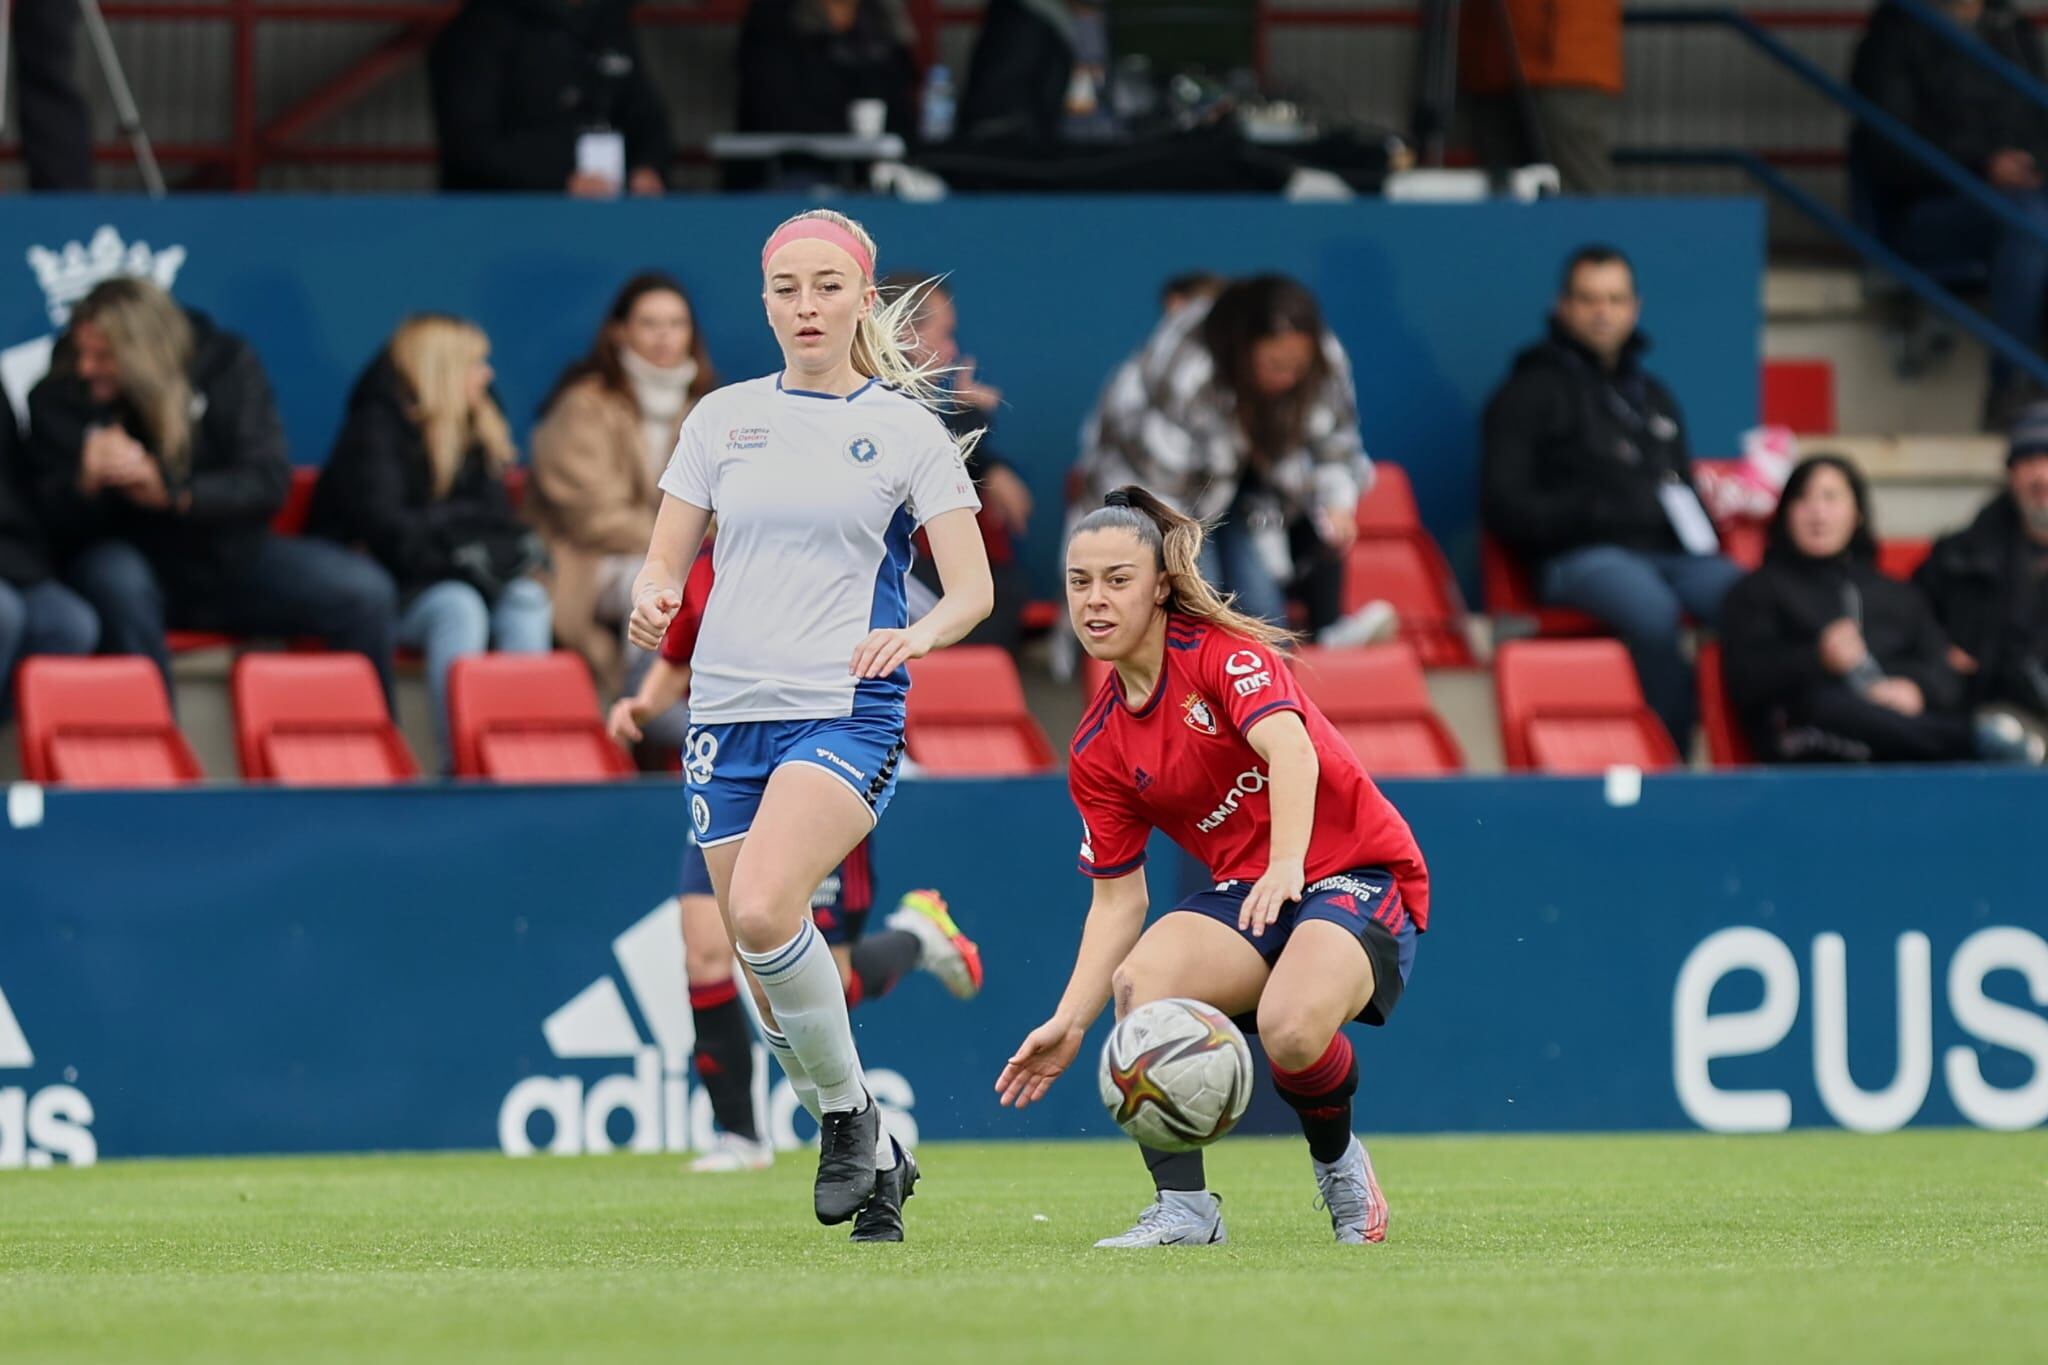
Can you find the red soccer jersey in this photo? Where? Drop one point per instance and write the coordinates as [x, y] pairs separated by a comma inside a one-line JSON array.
[[680, 641], [1180, 763]]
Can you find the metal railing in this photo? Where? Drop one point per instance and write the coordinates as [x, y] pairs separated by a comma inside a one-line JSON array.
[[2016, 351]]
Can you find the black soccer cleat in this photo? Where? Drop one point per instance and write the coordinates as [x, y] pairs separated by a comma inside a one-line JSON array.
[[881, 1219], [846, 1162]]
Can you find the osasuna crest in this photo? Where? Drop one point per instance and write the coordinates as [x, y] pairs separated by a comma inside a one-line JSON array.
[[863, 451], [1197, 714]]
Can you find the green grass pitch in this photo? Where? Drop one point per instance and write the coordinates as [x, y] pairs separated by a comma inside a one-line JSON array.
[[1810, 1247]]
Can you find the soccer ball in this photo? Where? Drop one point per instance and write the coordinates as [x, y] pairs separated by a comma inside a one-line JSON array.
[[1176, 1074]]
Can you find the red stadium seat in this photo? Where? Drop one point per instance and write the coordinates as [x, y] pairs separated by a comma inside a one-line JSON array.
[[1727, 745], [316, 720], [1094, 673], [1409, 572], [1388, 507], [1574, 706], [529, 718], [967, 716], [1800, 394], [298, 501], [1901, 559], [1377, 699], [100, 723], [1504, 587]]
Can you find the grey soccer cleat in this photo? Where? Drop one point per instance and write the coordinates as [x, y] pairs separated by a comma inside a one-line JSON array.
[[1176, 1218], [1358, 1211]]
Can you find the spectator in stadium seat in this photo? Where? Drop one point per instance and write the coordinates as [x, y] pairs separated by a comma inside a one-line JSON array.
[[38, 614], [1586, 476], [1038, 75], [156, 461], [1243, 409], [1989, 582], [56, 121], [1559, 64], [1005, 500], [547, 95], [1125, 390], [1828, 660], [417, 481], [1993, 130], [803, 62], [607, 430]]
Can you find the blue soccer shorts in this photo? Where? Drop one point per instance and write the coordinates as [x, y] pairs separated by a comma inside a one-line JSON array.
[[728, 766], [1365, 902]]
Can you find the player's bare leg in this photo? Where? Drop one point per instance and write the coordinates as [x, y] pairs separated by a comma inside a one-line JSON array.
[[807, 822], [1203, 959], [1321, 982]]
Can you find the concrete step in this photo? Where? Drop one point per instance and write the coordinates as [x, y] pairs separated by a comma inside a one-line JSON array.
[[1828, 313]]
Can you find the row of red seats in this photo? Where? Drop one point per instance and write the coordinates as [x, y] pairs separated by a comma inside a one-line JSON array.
[[312, 720], [320, 719]]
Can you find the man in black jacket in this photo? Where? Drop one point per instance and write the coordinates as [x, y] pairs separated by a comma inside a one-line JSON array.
[[1992, 130], [542, 95], [1586, 476], [156, 461], [1989, 582], [38, 615]]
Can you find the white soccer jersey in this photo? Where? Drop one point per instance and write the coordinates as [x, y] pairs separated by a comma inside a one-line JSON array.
[[817, 497]]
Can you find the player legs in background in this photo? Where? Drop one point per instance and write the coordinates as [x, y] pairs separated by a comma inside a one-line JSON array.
[[725, 1039], [1201, 958]]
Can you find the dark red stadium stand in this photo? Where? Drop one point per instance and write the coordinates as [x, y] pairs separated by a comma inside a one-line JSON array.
[[1504, 588], [1377, 699], [100, 722], [1901, 559], [529, 718], [1727, 745], [1799, 394], [1574, 706], [316, 720], [967, 716]]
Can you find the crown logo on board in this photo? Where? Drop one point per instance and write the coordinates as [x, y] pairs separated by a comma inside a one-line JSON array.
[[69, 274]]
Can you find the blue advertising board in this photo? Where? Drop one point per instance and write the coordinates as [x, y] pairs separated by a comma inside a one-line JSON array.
[[252, 970]]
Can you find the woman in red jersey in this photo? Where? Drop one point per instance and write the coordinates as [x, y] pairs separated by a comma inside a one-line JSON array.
[[1201, 732]]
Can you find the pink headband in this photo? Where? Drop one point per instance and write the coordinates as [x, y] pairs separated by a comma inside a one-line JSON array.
[[819, 230]]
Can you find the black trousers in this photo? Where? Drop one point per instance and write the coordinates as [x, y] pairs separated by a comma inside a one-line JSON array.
[[56, 124]]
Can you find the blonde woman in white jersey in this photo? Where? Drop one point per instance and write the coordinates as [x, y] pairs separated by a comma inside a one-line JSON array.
[[818, 475]]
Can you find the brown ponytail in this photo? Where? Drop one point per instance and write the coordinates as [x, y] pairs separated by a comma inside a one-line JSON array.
[[1176, 542]]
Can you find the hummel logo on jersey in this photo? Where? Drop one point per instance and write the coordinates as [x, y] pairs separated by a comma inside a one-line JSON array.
[[747, 438], [863, 450], [1243, 662], [1197, 714], [652, 1102], [1140, 778], [1249, 783], [42, 1126], [836, 761]]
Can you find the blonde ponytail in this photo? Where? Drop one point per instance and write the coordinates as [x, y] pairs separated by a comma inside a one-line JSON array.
[[1176, 540], [884, 339]]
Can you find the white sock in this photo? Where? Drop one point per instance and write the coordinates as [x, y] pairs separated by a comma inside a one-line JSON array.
[[802, 984], [799, 1079]]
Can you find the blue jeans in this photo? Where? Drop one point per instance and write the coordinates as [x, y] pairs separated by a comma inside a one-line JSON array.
[[46, 618], [1231, 561], [1951, 228], [450, 621], [1644, 598], [288, 587]]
